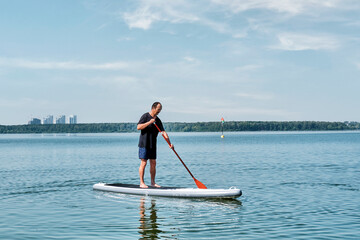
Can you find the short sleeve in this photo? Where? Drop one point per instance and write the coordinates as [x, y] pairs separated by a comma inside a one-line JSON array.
[[143, 119]]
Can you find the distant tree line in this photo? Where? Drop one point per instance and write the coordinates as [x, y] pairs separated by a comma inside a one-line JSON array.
[[71, 128], [232, 126], [235, 126]]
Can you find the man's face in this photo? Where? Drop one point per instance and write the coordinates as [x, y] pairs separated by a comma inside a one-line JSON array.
[[158, 109]]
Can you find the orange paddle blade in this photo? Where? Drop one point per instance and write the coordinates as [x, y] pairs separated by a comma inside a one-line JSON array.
[[200, 184]]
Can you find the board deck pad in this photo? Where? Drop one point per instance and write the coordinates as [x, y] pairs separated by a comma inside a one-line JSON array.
[[138, 186]]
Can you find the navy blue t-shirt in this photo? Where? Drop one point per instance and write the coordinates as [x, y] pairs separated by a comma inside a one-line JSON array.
[[149, 134]]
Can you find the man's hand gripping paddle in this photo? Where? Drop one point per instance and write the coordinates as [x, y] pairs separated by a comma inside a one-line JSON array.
[[198, 183]]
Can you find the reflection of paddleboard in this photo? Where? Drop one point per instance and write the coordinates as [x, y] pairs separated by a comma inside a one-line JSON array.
[[169, 191]]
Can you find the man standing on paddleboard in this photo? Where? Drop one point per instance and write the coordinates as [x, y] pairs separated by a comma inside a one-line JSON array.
[[147, 142]]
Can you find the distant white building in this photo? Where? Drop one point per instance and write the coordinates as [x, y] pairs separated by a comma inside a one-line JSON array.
[[34, 121], [48, 120], [73, 119], [61, 119]]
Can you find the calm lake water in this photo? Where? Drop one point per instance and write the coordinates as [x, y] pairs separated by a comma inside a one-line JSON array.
[[296, 185]]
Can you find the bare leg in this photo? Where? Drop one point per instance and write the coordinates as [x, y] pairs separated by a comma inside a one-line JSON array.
[[141, 173], [153, 172]]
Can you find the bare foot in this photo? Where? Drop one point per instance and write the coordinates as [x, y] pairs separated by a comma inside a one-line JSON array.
[[143, 186], [156, 185]]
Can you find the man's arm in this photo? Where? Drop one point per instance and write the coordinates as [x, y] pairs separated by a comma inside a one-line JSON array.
[[142, 126], [168, 139]]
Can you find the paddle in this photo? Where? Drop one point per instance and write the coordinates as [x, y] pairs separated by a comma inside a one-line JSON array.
[[198, 183]]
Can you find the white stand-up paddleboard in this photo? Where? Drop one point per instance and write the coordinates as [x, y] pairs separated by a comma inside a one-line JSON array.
[[169, 191]]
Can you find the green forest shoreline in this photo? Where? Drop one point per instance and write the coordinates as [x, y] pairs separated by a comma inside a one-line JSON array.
[[231, 126]]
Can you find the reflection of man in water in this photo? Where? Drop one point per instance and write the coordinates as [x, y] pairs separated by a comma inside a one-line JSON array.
[[148, 225]]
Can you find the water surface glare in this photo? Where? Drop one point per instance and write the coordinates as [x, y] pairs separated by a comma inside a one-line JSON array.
[[296, 185]]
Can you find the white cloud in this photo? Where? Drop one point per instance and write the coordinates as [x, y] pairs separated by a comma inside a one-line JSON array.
[[151, 11], [191, 59], [285, 6], [299, 42], [148, 12], [70, 65], [141, 18], [176, 11]]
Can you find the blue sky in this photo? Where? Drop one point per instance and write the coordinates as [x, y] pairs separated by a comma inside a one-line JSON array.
[[108, 61]]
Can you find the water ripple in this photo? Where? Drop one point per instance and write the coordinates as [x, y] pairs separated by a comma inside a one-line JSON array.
[[295, 186]]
